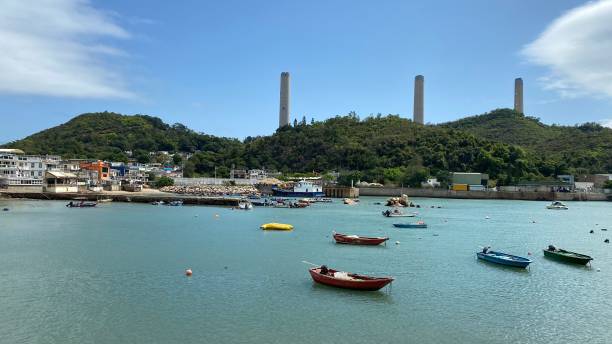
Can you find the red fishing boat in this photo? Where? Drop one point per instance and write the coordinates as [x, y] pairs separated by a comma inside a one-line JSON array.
[[347, 280], [358, 240]]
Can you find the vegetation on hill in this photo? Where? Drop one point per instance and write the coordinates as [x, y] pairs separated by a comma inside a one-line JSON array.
[[508, 146], [580, 149], [108, 136]]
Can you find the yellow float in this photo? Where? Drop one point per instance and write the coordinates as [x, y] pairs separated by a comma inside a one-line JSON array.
[[276, 227]]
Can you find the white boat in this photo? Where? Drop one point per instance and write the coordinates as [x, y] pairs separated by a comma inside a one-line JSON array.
[[245, 205], [397, 213], [556, 205]]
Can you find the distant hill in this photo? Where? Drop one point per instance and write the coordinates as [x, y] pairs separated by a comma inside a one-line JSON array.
[[108, 135], [587, 147], [504, 144]]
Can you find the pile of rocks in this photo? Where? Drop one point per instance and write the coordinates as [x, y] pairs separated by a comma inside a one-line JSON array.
[[398, 201], [212, 190]]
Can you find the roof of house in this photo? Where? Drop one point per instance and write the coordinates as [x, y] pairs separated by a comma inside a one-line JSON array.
[[58, 174], [11, 150]]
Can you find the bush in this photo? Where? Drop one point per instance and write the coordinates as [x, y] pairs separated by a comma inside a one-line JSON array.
[[164, 181], [608, 184]]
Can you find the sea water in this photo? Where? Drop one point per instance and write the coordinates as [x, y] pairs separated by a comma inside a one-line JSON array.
[[115, 274]]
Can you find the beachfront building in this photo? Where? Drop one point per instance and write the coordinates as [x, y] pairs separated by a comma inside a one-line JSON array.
[[464, 181], [56, 182], [20, 172], [101, 168]]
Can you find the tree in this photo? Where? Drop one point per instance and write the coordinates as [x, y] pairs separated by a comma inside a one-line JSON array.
[[164, 181], [177, 159], [607, 184]]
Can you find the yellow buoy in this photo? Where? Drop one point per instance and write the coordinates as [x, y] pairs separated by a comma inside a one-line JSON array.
[[276, 226]]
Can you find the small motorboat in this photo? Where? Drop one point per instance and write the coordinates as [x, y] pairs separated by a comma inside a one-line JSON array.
[[348, 201], [81, 204], [323, 200], [245, 205], [556, 205], [347, 280], [397, 213], [158, 203], [419, 224], [566, 256], [503, 258], [177, 203], [276, 227], [358, 240]]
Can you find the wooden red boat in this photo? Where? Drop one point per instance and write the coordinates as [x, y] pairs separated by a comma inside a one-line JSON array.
[[345, 280], [358, 240]]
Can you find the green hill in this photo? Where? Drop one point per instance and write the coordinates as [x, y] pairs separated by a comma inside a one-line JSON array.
[[107, 136], [586, 148], [504, 144]]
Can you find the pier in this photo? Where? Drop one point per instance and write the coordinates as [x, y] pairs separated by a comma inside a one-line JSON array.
[[127, 197]]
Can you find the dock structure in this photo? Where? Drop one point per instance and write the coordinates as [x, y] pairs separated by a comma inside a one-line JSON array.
[[518, 95], [341, 192], [283, 113], [126, 197], [419, 99]]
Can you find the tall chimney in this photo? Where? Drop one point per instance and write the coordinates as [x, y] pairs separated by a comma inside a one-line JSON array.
[[419, 94], [283, 114], [518, 95]]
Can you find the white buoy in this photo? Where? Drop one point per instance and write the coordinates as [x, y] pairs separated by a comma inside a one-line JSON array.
[[486, 217], [598, 269], [397, 242], [188, 272]]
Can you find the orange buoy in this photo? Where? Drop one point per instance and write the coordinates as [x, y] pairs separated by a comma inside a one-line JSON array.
[[188, 272]]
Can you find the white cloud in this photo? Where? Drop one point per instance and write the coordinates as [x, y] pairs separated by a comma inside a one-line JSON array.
[[58, 48], [606, 122], [577, 48]]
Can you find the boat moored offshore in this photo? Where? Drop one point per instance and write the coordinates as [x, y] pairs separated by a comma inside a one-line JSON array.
[[302, 188], [557, 205]]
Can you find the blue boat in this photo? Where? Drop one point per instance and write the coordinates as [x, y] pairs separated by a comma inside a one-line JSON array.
[[419, 224], [503, 258]]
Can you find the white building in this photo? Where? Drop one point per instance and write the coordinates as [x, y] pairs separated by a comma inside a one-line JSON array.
[[20, 172], [61, 182]]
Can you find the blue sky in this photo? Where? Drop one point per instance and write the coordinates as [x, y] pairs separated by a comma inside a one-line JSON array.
[[215, 66]]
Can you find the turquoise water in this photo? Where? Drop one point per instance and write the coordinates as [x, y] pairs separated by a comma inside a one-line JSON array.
[[114, 274]]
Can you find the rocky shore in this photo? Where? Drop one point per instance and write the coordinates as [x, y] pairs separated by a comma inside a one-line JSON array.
[[212, 190]]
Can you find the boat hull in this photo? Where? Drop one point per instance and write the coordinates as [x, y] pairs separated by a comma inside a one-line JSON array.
[[287, 193], [410, 225], [358, 240], [363, 283], [510, 260], [568, 256], [276, 227]]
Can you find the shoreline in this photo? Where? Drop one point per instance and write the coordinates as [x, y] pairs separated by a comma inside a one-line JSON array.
[[127, 197], [508, 195]]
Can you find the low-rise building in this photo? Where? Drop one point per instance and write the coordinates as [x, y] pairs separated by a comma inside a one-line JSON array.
[[56, 181], [463, 181], [20, 172]]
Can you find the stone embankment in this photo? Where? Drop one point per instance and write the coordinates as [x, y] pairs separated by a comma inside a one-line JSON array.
[[212, 190], [518, 195]]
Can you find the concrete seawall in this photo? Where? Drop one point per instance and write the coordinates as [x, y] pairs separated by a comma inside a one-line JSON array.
[[126, 197], [443, 193]]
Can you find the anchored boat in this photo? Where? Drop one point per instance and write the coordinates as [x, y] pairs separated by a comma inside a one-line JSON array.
[[566, 256], [557, 205], [303, 188], [396, 213], [503, 258], [348, 280], [276, 227], [419, 224], [358, 240]]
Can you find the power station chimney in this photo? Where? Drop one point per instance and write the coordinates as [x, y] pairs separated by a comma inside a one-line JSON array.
[[283, 114], [419, 94], [518, 95]]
